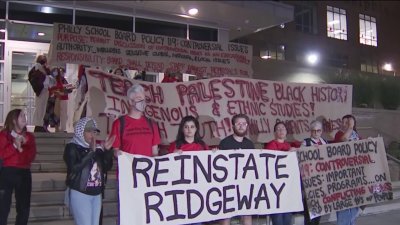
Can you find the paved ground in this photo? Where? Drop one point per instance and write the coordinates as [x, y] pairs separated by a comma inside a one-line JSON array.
[[389, 218]]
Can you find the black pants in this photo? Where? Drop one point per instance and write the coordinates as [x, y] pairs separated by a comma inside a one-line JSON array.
[[19, 180], [307, 219]]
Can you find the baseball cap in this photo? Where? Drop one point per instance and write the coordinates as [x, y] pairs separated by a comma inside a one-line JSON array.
[[91, 126]]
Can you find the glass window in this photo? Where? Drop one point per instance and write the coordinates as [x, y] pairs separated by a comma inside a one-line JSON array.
[[38, 13], [304, 18], [2, 30], [203, 33], [368, 34], [147, 26], [273, 52], [104, 20], [30, 32], [336, 23], [337, 60], [2, 9], [369, 65]]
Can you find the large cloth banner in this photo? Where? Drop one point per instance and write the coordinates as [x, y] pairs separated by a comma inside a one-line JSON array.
[[345, 175], [98, 46], [205, 186], [215, 101]]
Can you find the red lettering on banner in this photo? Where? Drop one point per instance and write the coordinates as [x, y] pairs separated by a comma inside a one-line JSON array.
[[255, 92], [329, 94], [198, 70], [246, 107], [170, 114], [120, 106], [289, 93], [230, 92], [296, 126], [154, 66], [162, 130], [118, 85], [215, 129], [114, 60], [294, 109], [331, 125], [258, 126], [155, 93]]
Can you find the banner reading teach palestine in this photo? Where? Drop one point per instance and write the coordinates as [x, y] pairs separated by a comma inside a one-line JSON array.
[[215, 101], [98, 46], [345, 175]]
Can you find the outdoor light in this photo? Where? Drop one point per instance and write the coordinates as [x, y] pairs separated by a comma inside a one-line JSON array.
[[312, 58], [2, 30], [388, 67], [41, 34], [46, 9], [265, 54], [193, 11]]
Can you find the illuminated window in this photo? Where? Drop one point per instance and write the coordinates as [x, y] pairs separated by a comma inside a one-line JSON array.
[[368, 30], [369, 65], [273, 52], [336, 23]]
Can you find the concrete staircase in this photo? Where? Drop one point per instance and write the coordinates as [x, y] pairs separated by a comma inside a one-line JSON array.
[[47, 203], [48, 185]]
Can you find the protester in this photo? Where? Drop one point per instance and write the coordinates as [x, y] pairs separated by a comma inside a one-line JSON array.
[[171, 77], [17, 151], [51, 117], [188, 137], [87, 165], [138, 134], [314, 139], [40, 80], [64, 88], [119, 72], [238, 140], [348, 132], [280, 144]]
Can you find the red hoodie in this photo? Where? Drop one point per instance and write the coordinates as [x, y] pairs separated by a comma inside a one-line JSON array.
[[11, 156]]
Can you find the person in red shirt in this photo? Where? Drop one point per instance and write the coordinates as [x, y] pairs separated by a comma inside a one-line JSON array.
[[280, 144], [17, 151], [188, 137], [140, 134], [170, 78]]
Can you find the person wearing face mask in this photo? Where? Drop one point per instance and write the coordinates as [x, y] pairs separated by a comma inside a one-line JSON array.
[[238, 140], [17, 151], [138, 134]]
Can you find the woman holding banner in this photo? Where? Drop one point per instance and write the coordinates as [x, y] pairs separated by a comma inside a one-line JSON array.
[[314, 139], [280, 144], [348, 132], [188, 137]]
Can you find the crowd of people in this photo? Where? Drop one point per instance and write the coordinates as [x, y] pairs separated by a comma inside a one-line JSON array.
[[88, 160]]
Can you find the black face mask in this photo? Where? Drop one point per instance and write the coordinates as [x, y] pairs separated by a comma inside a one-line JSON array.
[[42, 62]]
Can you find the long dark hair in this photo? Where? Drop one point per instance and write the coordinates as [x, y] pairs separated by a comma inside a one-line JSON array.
[[348, 116], [180, 137], [12, 119]]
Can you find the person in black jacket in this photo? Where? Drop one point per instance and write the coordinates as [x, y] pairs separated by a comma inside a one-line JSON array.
[[87, 165]]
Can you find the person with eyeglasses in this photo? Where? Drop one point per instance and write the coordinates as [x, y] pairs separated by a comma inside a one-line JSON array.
[[314, 139], [280, 144], [87, 165], [238, 140]]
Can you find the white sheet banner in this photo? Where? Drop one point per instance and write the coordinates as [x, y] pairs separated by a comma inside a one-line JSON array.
[[205, 185], [215, 101], [345, 175], [99, 46]]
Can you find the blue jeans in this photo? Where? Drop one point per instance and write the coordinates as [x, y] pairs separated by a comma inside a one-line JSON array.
[[347, 216], [281, 219], [85, 208]]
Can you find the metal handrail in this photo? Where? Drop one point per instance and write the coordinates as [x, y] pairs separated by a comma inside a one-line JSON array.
[[393, 158]]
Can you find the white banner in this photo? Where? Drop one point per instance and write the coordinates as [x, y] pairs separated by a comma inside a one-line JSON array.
[[99, 46], [345, 175], [205, 185], [215, 101]]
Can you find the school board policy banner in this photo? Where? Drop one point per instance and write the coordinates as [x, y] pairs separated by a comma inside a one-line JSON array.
[[345, 175], [205, 185], [98, 46], [215, 101]]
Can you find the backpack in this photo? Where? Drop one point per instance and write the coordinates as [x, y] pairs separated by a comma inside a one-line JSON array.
[[122, 127], [36, 79]]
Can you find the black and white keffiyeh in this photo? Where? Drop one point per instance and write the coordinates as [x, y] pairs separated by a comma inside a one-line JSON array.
[[79, 139]]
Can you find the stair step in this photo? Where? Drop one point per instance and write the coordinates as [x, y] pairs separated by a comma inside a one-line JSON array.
[[109, 220]]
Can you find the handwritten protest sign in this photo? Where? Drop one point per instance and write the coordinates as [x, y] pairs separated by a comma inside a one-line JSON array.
[[203, 186], [345, 175], [215, 101], [98, 46]]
